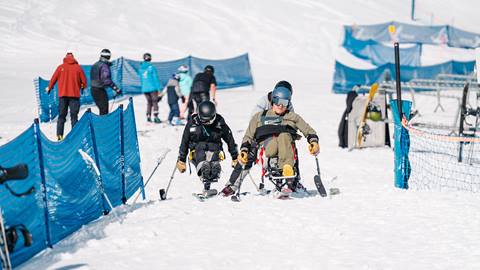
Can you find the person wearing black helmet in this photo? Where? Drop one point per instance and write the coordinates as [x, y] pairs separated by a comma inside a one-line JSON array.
[[150, 85], [265, 102], [204, 87], [274, 130], [203, 136], [100, 78]]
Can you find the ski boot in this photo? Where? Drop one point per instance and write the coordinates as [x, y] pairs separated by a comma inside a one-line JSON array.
[[149, 119], [228, 191], [156, 119]]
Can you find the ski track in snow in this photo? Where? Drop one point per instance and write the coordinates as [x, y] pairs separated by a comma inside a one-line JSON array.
[[369, 225]]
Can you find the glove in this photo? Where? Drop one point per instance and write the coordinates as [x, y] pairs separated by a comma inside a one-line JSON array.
[[117, 90], [221, 156], [314, 148], [181, 166], [234, 163], [243, 157], [183, 99], [47, 90], [191, 155]]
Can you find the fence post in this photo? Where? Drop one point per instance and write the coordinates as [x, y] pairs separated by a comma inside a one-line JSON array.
[[37, 133], [122, 155], [97, 161]]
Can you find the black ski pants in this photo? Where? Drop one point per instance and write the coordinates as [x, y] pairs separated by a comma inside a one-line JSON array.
[[195, 99], [63, 105], [101, 99]]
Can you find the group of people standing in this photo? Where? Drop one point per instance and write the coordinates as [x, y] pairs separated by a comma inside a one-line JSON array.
[[72, 81], [180, 88]]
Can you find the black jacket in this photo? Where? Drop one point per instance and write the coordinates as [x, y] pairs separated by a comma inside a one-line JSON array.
[[209, 137]]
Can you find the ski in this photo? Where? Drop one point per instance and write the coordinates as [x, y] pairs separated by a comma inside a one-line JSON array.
[[363, 128], [319, 186], [205, 195]]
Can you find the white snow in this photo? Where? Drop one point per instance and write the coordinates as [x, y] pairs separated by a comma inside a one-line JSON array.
[[369, 225]]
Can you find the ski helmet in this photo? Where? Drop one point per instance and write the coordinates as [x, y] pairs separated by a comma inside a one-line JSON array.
[[207, 112], [147, 57], [209, 68], [105, 53], [281, 95], [182, 69], [284, 84]]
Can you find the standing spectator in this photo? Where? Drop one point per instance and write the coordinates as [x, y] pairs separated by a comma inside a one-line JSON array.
[[100, 78], [71, 79], [173, 91], [204, 88], [185, 83], [150, 87]]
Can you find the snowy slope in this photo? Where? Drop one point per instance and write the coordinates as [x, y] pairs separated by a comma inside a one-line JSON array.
[[370, 225]]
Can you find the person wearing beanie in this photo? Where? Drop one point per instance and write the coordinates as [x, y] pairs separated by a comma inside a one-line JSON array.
[[100, 79], [71, 80]]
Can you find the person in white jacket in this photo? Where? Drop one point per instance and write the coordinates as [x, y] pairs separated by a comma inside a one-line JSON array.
[[265, 102]]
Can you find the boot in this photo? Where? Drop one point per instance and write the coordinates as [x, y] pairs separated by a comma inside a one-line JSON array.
[[149, 119], [228, 191], [287, 170], [157, 120]]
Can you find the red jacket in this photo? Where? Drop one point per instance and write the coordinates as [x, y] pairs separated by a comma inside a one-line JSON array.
[[70, 78]]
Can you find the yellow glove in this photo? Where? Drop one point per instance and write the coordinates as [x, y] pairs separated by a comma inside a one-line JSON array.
[[314, 148], [191, 155], [243, 157], [221, 155], [181, 166], [234, 163]]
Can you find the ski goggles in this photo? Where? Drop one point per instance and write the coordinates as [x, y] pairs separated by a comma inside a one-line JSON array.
[[280, 101]]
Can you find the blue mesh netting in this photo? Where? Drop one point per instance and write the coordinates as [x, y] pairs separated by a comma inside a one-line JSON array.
[[379, 54], [28, 210], [67, 190], [230, 73], [346, 77], [408, 33]]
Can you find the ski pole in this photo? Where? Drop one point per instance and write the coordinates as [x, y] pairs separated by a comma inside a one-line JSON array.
[[90, 162], [113, 103], [159, 161], [163, 192], [253, 181]]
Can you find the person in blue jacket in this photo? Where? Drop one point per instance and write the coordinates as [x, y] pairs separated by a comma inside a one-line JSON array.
[[150, 87], [185, 83]]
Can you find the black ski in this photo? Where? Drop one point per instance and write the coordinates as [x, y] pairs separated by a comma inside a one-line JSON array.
[[318, 181]]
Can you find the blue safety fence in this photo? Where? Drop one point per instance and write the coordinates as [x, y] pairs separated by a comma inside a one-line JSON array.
[[409, 33], [402, 166], [68, 191], [230, 73], [345, 77], [379, 54]]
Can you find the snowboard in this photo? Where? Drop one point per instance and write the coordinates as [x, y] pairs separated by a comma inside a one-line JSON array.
[[363, 128]]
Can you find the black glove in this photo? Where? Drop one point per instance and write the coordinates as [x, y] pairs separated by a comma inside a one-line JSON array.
[[183, 99]]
